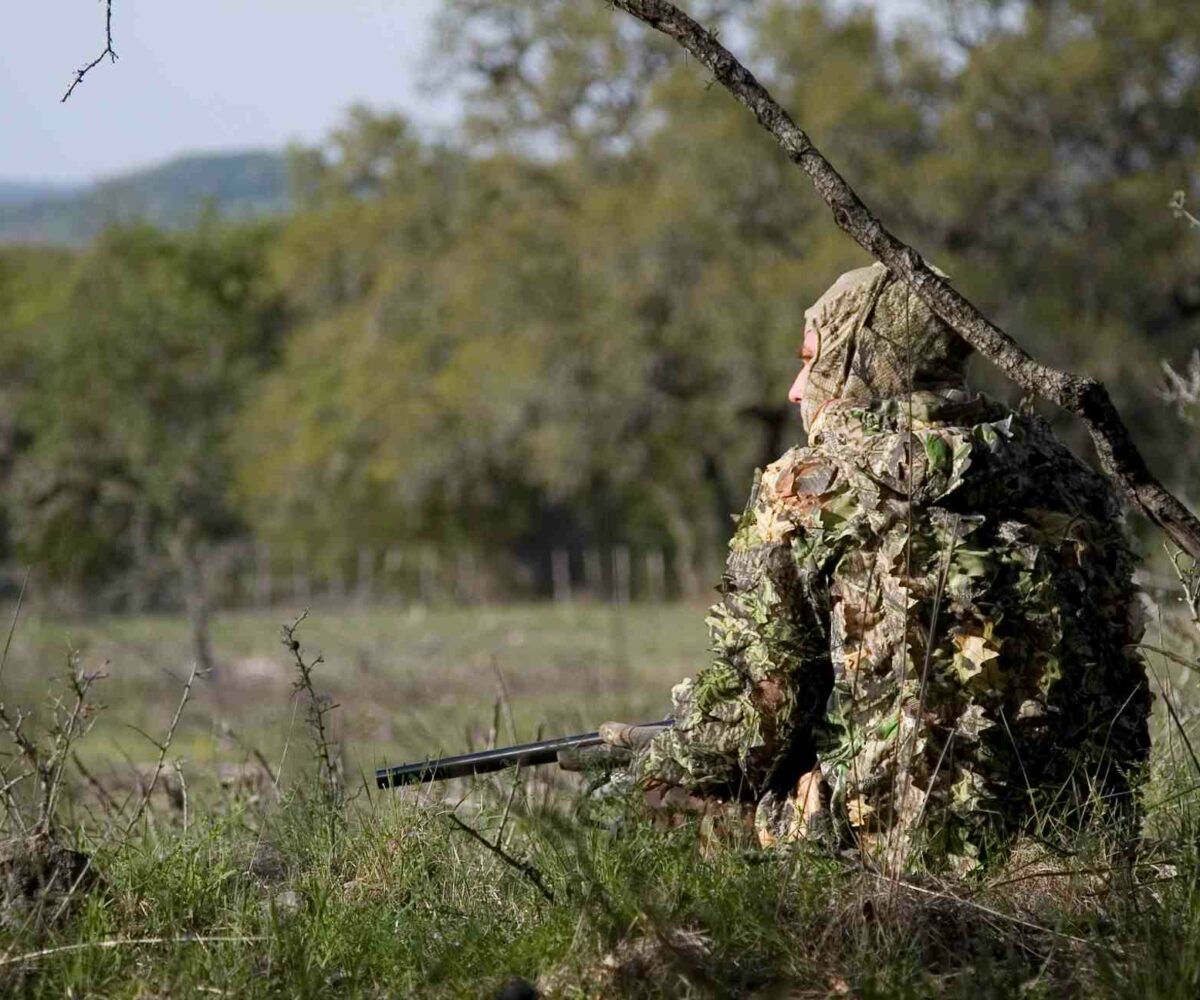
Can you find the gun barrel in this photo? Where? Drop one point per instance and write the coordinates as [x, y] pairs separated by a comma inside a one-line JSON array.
[[486, 761]]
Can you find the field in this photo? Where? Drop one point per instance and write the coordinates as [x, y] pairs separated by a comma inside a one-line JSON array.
[[407, 681], [251, 872]]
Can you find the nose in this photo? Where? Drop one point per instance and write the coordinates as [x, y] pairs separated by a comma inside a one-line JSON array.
[[796, 392]]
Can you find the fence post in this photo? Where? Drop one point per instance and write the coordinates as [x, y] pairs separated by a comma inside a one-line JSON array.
[[365, 584], [337, 582], [621, 574], [393, 560], [685, 573], [301, 581], [262, 575], [464, 571], [560, 575], [593, 573], [656, 575], [428, 573]]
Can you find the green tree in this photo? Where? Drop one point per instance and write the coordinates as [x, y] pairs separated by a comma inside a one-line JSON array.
[[137, 375], [1063, 127], [501, 341], [30, 285], [579, 324]]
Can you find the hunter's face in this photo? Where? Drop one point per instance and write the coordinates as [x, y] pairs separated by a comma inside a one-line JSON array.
[[808, 354]]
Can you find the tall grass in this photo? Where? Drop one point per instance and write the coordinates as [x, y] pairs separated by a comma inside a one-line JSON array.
[[373, 894], [400, 903]]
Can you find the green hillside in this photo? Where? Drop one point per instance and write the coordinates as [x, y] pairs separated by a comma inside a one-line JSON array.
[[170, 195]]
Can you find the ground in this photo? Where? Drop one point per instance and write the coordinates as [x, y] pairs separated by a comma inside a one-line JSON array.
[[239, 880], [407, 681]]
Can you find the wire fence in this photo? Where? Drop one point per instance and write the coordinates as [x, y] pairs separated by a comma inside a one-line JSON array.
[[248, 575]]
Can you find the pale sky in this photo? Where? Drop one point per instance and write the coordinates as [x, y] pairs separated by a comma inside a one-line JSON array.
[[199, 75], [206, 75]]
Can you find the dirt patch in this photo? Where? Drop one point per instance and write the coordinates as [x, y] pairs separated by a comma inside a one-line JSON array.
[[37, 875]]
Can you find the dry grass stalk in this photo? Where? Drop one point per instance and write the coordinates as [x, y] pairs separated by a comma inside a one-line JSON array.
[[329, 770]]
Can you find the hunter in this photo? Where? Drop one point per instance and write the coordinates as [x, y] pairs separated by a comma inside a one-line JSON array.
[[927, 634]]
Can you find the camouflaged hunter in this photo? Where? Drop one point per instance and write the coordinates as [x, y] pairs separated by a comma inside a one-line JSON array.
[[927, 626]]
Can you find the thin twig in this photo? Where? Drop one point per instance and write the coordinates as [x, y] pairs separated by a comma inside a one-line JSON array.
[[13, 725], [106, 800], [930, 638], [12, 628], [183, 792], [108, 51], [512, 794], [1173, 657], [163, 748], [998, 914], [524, 867], [505, 701], [66, 734], [319, 707], [1166, 697], [1063, 872], [33, 956]]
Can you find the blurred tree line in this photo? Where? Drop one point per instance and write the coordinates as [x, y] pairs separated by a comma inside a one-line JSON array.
[[575, 322]]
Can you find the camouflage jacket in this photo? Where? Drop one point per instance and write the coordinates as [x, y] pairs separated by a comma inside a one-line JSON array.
[[934, 602]]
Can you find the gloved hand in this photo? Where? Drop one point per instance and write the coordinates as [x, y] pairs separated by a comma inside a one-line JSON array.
[[622, 735], [621, 744]]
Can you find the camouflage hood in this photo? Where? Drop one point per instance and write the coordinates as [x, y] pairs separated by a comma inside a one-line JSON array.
[[964, 452], [877, 340]]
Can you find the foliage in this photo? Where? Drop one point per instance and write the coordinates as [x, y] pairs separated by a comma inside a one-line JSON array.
[[403, 903], [258, 895], [570, 323], [137, 372], [30, 285], [619, 375]]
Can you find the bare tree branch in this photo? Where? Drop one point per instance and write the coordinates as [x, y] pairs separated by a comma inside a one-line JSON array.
[[329, 769], [1085, 397], [163, 748], [108, 51], [1178, 207]]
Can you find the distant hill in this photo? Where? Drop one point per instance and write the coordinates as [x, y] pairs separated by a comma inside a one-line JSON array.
[[16, 192], [172, 195]]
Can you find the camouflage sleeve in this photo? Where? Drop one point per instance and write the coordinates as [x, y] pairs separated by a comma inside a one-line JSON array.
[[744, 723]]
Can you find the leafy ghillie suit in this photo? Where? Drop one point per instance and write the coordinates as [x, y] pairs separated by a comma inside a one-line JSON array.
[[926, 637]]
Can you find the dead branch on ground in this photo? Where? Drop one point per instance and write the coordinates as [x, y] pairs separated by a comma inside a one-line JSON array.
[[523, 867]]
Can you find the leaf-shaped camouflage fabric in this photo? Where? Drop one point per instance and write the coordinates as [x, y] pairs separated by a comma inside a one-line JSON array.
[[933, 600], [960, 584]]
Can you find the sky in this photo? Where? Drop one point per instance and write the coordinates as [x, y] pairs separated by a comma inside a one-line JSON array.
[[200, 75], [207, 75]]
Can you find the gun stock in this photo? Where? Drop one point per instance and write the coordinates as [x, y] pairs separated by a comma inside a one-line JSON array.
[[487, 761]]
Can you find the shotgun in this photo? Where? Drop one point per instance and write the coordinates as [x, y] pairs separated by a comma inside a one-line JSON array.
[[486, 761]]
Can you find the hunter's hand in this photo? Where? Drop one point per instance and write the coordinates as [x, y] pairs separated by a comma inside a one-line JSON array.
[[621, 743], [623, 736]]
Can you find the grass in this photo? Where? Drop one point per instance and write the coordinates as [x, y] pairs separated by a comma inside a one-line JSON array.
[[407, 681], [289, 895]]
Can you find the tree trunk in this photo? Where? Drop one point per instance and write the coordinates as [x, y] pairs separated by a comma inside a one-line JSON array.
[[186, 552]]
